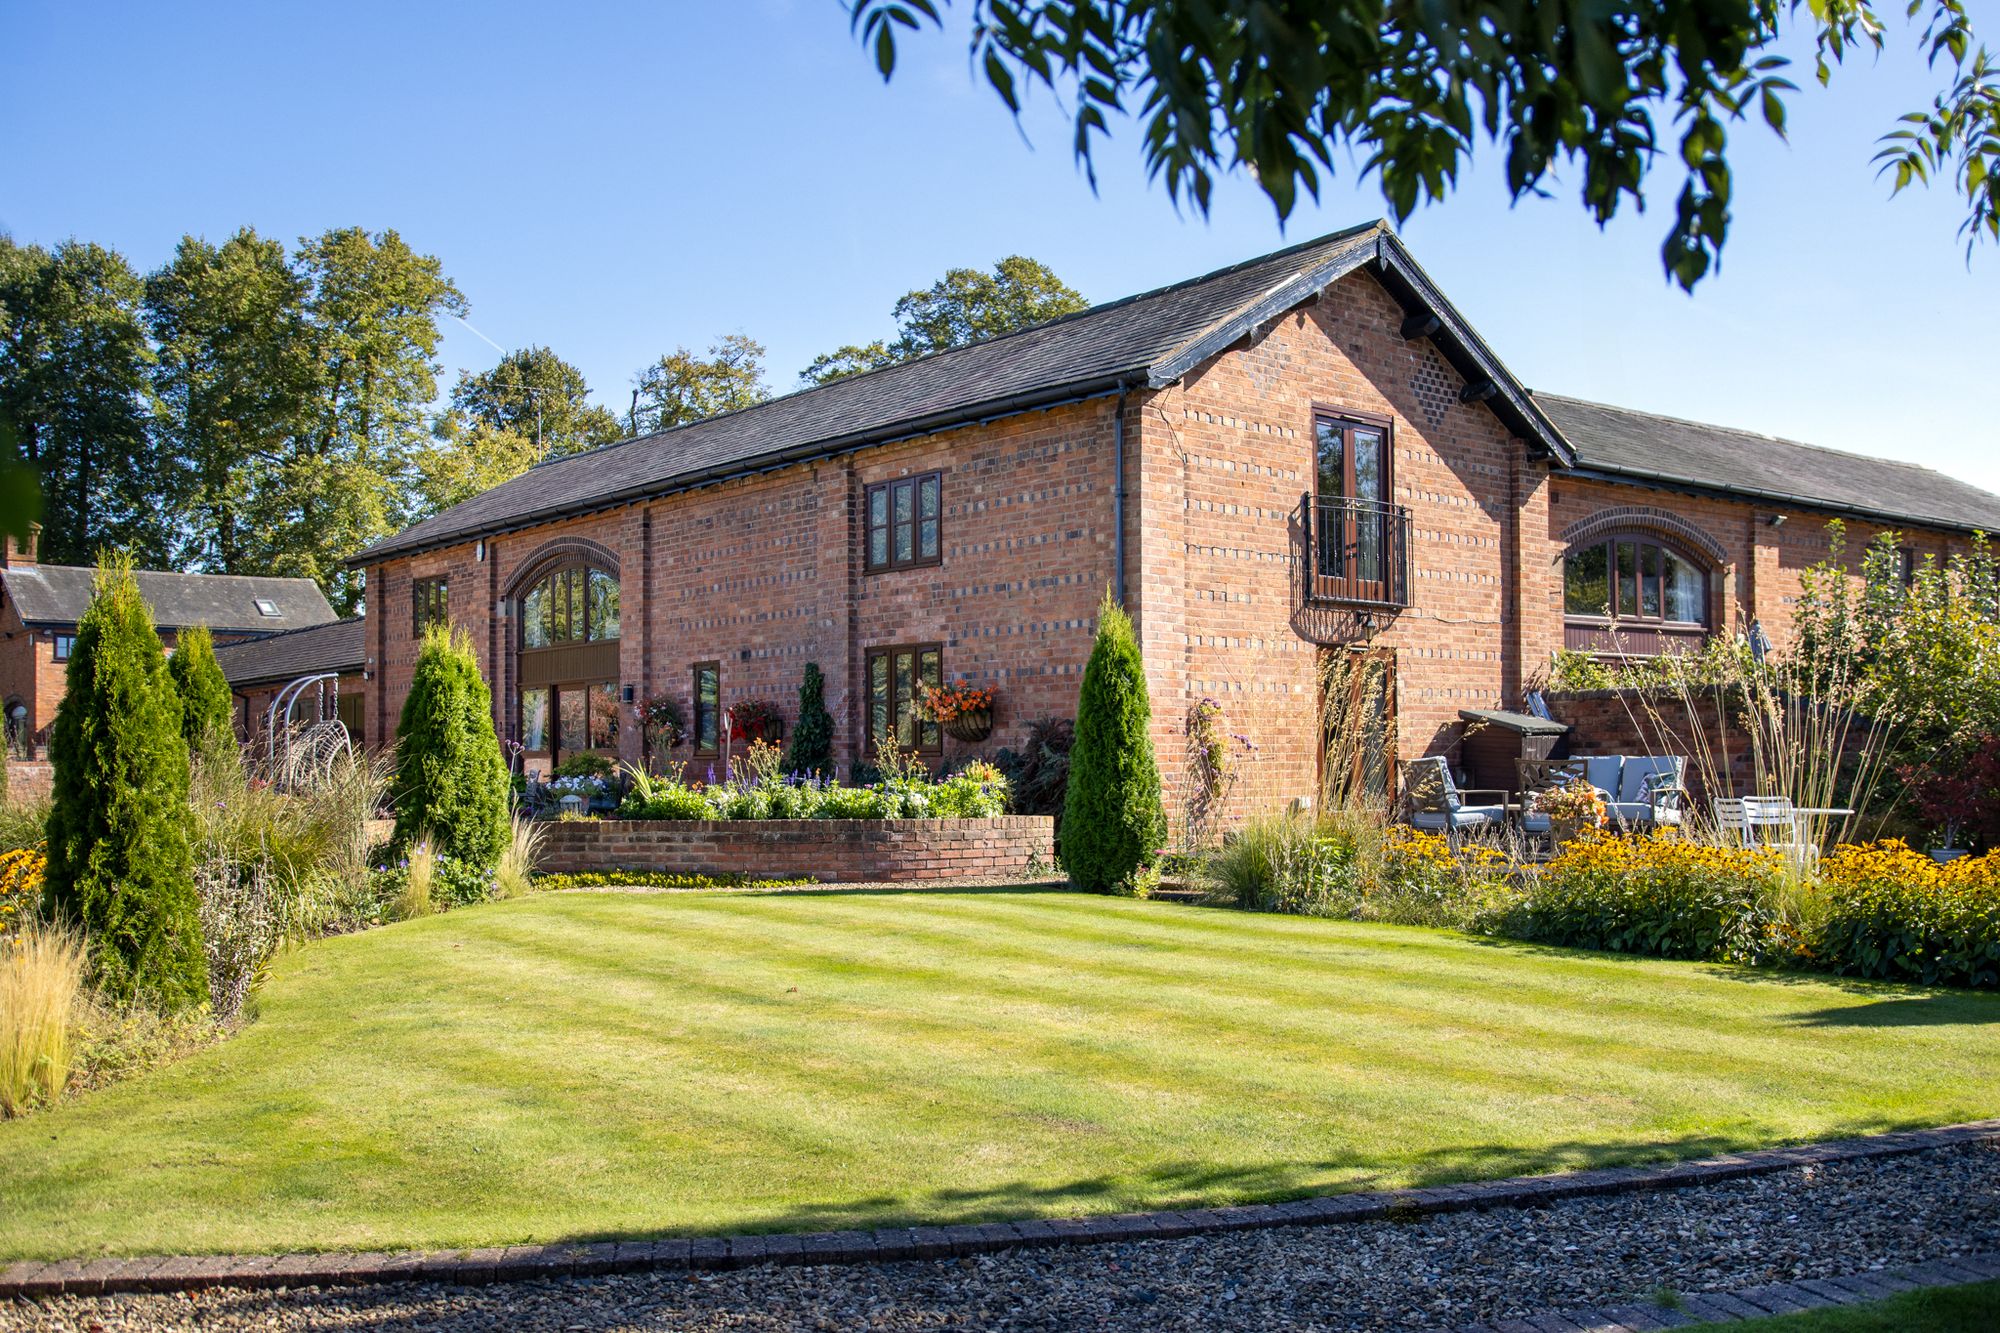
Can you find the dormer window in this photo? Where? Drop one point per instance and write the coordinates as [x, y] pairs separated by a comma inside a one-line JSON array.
[[267, 608]]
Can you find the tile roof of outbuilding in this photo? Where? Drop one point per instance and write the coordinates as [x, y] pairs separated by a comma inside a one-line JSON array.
[[338, 645], [58, 594], [1667, 450]]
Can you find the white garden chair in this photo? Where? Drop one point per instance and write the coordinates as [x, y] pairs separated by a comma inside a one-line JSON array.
[[1764, 821]]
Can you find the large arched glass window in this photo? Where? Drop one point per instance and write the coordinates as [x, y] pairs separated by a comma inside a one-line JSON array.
[[1633, 587], [574, 604], [568, 664]]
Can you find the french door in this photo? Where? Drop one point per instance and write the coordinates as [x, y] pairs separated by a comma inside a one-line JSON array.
[[1358, 727], [562, 720], [1353, 515]]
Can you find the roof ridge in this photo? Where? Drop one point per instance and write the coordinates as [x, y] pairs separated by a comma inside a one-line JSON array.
[[1753, 434], [1343, 233]]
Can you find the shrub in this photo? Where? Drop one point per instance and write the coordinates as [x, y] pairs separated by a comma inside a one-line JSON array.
[[667, 800], [852, 803], [1112, 820], [23, 823], [21, 873], [451, 784], [1891, 914], [811, 752], [977, 791], [119, 862], [515, 876], [656, 879], [207, 714], [584, 765], [41, 974], [1665, 897], [1038, 772], [240, 929]]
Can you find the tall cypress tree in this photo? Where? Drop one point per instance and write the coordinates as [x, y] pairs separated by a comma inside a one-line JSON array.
[[207, 715], [812, 738], [119, 862], [1112, 819], [450, 784]]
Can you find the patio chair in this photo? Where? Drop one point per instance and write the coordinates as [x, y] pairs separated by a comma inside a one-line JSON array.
[[1763, 821], [1439, 805]]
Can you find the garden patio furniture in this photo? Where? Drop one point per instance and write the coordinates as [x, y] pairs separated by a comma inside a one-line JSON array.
[[1439, 805], [1765, 821]]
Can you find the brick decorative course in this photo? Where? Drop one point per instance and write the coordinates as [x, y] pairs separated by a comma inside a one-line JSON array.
[[840, 851], [34, 1278]]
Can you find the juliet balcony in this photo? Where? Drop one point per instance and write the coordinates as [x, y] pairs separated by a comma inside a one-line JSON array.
[[1357, 552]]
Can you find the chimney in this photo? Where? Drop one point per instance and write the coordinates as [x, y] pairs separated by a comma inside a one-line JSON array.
[[16, 551]]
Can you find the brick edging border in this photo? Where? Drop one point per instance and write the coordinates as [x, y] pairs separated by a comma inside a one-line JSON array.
[[94, 1277], [1764, 1301]]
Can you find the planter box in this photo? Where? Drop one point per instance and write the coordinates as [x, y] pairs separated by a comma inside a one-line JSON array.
[[838, 851]]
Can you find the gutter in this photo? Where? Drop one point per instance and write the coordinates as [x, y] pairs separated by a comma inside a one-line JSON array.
[[907, 429]]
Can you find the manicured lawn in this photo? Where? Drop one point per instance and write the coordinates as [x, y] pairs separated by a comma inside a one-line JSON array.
[[1968, 1309], [613, 1065]]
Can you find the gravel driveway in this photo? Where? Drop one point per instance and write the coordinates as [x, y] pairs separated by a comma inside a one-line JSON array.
[[1437, 1272]]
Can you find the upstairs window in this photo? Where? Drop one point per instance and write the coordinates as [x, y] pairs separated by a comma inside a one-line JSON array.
[[574, 604], [429, 605], [905, 522], [1634, 578], [65, 645]]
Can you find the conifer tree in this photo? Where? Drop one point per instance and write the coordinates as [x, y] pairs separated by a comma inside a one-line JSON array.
[[451, 783], [811, 753], [1112, 819], [119, 862], [207, 724]]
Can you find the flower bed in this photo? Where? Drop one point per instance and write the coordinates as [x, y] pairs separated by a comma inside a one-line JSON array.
[[842, 851]]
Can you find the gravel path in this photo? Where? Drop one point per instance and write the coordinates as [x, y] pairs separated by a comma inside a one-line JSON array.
[[1437, 1272]]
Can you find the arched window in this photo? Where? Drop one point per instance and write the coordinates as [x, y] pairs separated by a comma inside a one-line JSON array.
[[568, 663], [572, 604], [1635, 592]]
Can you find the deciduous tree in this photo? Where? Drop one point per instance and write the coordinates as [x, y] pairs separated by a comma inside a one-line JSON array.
[[535, 394], [964, 306], [1286, 89], [683, 386]]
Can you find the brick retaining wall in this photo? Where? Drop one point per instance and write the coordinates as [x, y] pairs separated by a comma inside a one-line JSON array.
[[29, 779], [843, 851]]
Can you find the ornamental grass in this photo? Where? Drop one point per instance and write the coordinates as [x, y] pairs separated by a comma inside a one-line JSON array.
[[41, 976]]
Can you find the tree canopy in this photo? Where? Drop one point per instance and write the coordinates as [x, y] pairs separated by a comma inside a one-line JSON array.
[[1285, 89], [965, 305], [535, 394], [683, 386]]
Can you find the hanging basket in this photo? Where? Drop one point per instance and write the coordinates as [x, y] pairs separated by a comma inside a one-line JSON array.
[[971, 727]]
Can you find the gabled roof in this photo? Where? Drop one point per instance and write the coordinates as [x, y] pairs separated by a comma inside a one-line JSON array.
[[338, 645], [56, 595], [1149, 340], [1619, 442]]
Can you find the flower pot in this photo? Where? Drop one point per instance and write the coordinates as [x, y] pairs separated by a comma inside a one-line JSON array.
[[1565, 831], [1944, 854], [970, 727]]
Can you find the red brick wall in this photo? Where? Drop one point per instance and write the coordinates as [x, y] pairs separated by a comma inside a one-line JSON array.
[[29, 780], [765, 574], [842, 851], [1227, 456]]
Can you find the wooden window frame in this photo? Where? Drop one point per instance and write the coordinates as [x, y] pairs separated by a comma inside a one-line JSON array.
[[545, 579], [430, 603], [915, 483], [694, 709], [1369, 420], [1347, 537], [889, 650], [62, 646], [1906, 565], [1637, 634]]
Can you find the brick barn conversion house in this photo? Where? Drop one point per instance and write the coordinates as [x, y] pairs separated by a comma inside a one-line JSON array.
[[1306, 453], [40, 606]]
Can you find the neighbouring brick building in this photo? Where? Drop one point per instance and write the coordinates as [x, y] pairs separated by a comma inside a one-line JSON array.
[[1304, 454], [40, 606], [298, 676]]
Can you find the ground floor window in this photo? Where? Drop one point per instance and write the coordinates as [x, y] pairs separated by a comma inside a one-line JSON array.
[[558, 721], [707, 728], [893, 675]]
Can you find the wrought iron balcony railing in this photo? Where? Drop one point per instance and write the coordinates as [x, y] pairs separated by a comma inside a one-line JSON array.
[[1357, 551]]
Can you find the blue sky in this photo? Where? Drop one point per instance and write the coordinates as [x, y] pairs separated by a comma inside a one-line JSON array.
[[613, 180]]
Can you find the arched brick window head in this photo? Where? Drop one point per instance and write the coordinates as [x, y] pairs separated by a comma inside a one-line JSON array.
[[1634, 592]]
